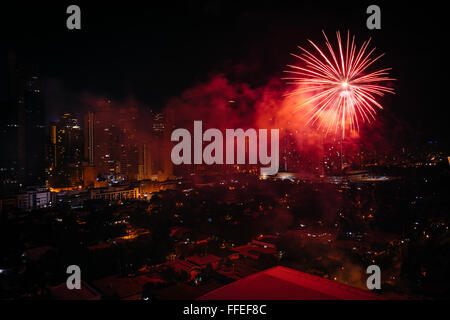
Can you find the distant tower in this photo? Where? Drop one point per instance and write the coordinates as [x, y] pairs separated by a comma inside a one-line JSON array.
[[89, 137], [25, 96], [146, 163], [66, 152]]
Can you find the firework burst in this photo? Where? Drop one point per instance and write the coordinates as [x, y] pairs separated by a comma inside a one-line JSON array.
[[338, 85]]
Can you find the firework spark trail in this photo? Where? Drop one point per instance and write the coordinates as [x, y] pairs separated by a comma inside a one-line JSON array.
[[339, 86]]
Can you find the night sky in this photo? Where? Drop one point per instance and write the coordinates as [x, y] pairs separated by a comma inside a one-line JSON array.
[[156, 51]]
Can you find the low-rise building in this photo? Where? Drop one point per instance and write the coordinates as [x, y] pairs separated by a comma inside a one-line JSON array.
[[204, 261], [114, 193], [34, 199], [61, 292]]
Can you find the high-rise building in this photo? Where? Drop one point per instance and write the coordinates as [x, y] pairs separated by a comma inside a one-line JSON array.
[[9, 175], [113, 145], [145, 162], [89, 138], [26, 100], [158, 129], [127, 145], [101, 138], [65, 152], [162, 127]]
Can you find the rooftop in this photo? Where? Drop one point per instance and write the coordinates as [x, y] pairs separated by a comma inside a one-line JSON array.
[[281, 283], [124, 287], [184, 291], [61, 292], [179, 265], [203, 260], [254, 251]]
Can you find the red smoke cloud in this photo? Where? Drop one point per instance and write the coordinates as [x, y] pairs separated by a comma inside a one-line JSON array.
[[224, 104]]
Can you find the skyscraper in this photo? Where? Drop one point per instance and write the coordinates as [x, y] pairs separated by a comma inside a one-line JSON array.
[[26, 100], [89, 138], [8, 155], [112, 144], [65, 152], [162, 127], [101, 139]]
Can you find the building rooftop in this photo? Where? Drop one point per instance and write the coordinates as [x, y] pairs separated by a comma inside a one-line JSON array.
[[184, 291], [124, 287], [179, 265], [238, 270], [254, 251], [37, 253], [203, 260], [61, 292], [281, 283]]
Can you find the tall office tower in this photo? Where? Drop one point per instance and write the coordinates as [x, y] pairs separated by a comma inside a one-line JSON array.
[[89, 138], [162, 127], [8, 155], [112, 143], [101, 136], [168, 129], [9, 134], [145, 165], [127, 156], [66, 145], [50, 149], [88, 167], [128, 144], [158, 130], [25, 95]]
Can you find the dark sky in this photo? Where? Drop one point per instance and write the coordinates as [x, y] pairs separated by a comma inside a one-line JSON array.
[[155, 51]]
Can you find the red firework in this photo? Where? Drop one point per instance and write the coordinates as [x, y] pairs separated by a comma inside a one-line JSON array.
[[339, 86]]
